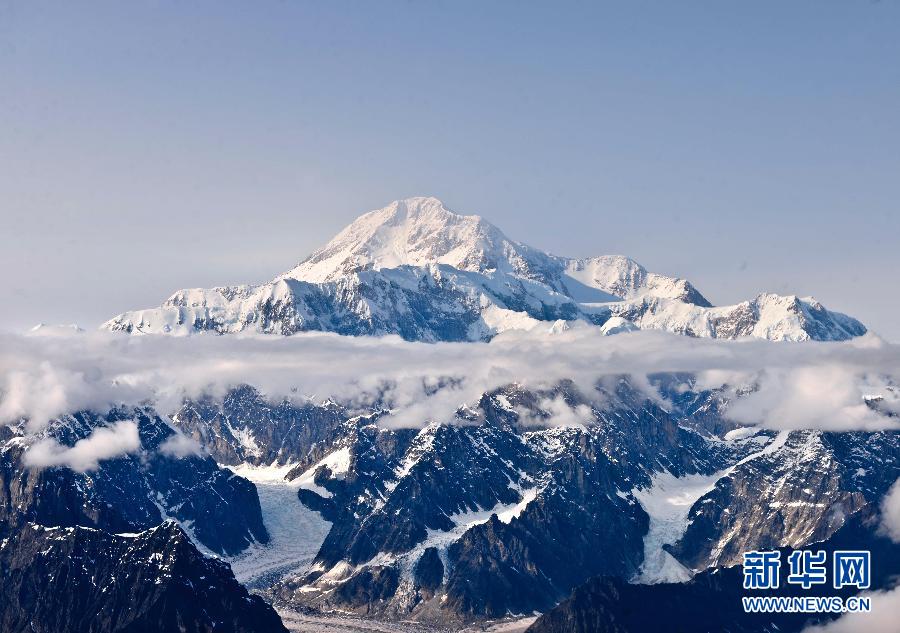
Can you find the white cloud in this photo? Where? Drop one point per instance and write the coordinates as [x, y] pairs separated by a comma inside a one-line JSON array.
[[43, 391], [180, 445], [881, 619], [890, 513], [561, 414], [808, 385], [104, 443], [829, 395], [556, 412]]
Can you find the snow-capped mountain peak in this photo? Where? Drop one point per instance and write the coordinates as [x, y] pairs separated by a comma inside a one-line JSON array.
[[414, 232], [417, 269]]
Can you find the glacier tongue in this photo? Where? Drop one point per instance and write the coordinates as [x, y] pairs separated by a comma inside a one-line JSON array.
[[296, 532], [668, 502]]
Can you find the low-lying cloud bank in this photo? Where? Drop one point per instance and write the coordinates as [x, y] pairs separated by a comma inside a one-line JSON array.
[[805, 385]]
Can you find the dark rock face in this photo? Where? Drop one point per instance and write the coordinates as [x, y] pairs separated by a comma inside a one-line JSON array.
[[244, 427], [567, 530], [799, 494], [374, 585], [711, 601], [429, 571], [68, 563], [702, 410], [58, 580], [129, 493]]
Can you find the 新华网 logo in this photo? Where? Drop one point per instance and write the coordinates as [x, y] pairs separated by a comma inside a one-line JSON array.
[[807, 569]]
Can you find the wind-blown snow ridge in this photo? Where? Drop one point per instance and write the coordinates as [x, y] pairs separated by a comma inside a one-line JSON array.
[[419, 270]]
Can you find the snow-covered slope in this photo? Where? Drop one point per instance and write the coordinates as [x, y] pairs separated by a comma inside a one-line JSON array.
[[623, 277], [417, 269], [768, 316]]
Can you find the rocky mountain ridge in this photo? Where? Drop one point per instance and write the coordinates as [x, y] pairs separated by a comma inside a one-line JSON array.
[[129, 492], [80, 579], [495, 513]]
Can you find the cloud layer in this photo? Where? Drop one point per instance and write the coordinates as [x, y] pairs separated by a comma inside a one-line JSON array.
[[806, 385]]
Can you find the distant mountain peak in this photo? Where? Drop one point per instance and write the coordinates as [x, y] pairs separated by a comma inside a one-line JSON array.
[[411, 232], [48, 329], [417, 269]]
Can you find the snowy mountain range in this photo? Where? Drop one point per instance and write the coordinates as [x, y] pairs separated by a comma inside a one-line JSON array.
[[416, 269], [581, 497]]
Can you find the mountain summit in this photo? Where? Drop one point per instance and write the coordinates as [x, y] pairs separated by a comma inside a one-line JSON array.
[[417, 269], [422, 231], [416, 232]]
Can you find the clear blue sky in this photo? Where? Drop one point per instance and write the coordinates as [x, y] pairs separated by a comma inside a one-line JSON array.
[[148, 146]]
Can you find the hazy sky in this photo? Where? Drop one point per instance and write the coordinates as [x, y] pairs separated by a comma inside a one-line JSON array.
[[149, 146]]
